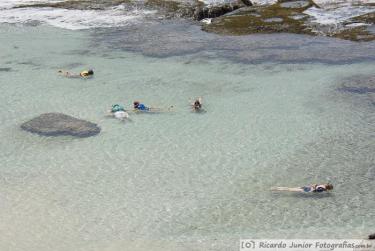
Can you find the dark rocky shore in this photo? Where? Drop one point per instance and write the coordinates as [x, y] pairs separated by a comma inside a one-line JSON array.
[[240, 17], [58, 124]]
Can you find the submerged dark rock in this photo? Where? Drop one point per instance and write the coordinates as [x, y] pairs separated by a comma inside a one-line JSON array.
[[360, 84], [57, 124], [357, 90]]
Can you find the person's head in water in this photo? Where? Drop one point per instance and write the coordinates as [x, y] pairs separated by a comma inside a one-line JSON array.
[[136, 104], [197, 104], [88, 73]]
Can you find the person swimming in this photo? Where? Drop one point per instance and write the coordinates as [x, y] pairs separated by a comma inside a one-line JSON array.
[[82, 74], [118, 111], [86, 74], [140, 107], [306, 189], [197, 104], [117, 108]]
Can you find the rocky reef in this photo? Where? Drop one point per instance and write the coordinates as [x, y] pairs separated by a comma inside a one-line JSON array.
[[290, 17], [244, 17], [359, 84], [263, 19], [57, 124]]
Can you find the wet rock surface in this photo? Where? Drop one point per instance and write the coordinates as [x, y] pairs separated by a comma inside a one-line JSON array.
[[291, 18], [243, 17], [215, 11], [261, 19], [58, 124]]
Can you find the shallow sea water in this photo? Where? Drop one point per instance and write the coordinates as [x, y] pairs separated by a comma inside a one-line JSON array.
[[178, 180]]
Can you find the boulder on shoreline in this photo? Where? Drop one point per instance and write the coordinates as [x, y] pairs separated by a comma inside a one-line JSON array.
[[57, 124], [371, 237]]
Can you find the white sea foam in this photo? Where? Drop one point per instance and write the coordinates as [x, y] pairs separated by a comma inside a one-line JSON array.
[[326, 3], [6, 4], [69, 19], [338, 14]]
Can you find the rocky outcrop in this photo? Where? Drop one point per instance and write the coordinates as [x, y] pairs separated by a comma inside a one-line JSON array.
[[263, 19], [202, 12], [243, 17], [57, 124], [371, 237], [290, 17]]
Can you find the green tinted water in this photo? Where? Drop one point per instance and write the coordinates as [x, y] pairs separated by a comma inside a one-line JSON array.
[[179, 180]]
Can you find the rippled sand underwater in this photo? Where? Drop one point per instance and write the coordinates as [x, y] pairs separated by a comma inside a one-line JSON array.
[[179, 180]]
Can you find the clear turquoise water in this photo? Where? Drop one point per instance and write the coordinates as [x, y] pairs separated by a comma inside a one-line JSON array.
[[179, 180]]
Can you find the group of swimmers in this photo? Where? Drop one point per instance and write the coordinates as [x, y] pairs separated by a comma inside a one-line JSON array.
[[119, 112]]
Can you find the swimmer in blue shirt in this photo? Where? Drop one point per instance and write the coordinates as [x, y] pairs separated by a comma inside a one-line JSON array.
[[306, 189], [140, 107]]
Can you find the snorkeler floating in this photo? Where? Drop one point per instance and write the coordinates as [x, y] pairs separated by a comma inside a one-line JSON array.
[[82, 74], [118, 111], [197, 105], [306, 189], [139, 107]]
